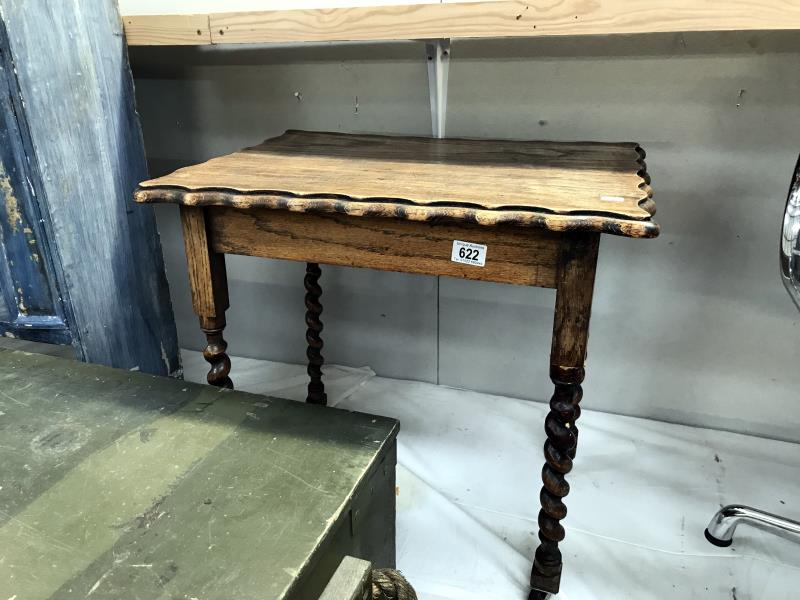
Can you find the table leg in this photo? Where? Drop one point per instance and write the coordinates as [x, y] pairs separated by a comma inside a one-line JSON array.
[[209, 282], [214, 352], [316, 389], [576, 273]]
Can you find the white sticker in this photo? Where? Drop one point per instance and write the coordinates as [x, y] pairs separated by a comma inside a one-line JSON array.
[[468, 253], [612, 198]]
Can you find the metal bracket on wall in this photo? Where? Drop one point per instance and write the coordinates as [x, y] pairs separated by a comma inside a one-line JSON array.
[[438, 55]]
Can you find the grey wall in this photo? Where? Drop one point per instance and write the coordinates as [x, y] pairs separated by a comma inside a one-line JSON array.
[[693, 327]]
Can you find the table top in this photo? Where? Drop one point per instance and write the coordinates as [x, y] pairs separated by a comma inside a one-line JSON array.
[[559, 186], [124, 485]]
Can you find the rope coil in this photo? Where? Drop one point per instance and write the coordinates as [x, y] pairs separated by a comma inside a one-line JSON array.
[[389, 584]]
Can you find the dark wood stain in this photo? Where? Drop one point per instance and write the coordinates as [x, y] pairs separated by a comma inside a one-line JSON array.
[[576, 272], [316, 389]]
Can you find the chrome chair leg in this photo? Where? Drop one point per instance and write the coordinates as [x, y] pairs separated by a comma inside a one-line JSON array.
[[720, 530]]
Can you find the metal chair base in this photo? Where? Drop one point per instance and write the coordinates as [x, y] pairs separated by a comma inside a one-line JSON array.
[[720, 530]]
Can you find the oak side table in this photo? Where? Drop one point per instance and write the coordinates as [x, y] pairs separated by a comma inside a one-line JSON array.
[[527, 213]]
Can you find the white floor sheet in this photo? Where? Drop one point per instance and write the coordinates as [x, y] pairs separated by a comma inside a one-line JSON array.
[[641, 494]]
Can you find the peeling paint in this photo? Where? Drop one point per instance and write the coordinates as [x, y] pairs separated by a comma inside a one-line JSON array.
[[23, 310], [13, 213], [164, 356]]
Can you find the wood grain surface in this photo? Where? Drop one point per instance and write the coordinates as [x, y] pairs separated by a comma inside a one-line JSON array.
[[207, 273], [507, 18], [576, 273], [167, 30], [513, 255], [552, 185]]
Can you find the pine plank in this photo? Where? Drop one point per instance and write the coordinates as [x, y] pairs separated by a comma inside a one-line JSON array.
[[167, 30], [506, 18]]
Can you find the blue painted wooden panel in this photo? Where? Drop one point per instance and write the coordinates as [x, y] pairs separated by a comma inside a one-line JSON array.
[[85, 158], [30, 306]]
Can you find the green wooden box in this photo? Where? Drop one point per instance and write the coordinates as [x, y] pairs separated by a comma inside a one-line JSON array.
[[119, 485]]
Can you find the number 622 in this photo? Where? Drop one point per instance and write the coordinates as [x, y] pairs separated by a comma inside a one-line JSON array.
[[469, 253]]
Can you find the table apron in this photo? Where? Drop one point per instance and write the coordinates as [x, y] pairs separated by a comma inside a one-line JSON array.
[[522, 256]]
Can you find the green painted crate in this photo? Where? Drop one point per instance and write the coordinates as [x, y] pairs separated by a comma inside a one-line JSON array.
[[119, 485]]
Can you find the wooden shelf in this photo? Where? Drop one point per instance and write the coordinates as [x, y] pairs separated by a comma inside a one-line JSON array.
[[503, 18]]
